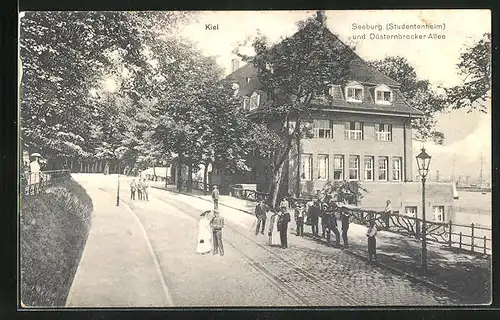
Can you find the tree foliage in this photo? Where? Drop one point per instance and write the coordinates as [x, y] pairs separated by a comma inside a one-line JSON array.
[[291, 74], [418, 93], [475, 69]]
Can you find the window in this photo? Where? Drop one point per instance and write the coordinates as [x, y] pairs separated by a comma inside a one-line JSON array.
[[246, 103], [383, 95], [306, 163], [323, 165], [338, 167], [396, 169], [354, 92], [236, 88], [382, 168], [438, 213], [248, 80], [383, 132], [354, 130], [254, 101], [353, 167], [411, 211], [368, 168], [323, 129]]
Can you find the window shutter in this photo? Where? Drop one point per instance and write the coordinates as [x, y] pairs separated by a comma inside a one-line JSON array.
[[362, 131]]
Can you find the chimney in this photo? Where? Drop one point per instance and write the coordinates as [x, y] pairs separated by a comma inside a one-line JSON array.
[[235, 64], [321, 16]]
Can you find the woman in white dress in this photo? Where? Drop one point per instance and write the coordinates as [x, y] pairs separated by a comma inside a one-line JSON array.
[[274, 235], [204, 235]]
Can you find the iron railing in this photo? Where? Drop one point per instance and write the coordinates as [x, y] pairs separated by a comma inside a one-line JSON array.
[[33, 183], [471, 237]]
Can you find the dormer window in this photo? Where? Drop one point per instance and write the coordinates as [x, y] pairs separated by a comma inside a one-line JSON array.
[[383, 95], [354, 92], [236, 88], [254, 101], [246, 103]]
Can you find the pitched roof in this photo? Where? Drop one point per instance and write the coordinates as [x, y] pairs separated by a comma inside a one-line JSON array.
[[359, 71]]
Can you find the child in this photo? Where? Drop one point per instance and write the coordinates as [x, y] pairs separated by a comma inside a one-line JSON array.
[[372, 242]]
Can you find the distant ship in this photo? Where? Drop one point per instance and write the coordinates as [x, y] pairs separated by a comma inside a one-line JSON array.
[[481, 187]]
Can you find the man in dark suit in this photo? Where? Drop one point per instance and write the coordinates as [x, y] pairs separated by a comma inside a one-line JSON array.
[[314, 213], [261, 213], [283, 221], [331, 212], [344, 217]]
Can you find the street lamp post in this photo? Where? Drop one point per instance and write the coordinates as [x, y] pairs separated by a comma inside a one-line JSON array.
[[423, 161]]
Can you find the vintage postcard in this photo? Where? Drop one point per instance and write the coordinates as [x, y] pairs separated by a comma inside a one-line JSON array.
[[255, 158]]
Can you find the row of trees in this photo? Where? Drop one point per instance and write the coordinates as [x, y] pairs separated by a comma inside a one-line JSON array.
[[123, 85]]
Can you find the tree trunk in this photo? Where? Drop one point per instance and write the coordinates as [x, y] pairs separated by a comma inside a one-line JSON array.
[[179, 173], [205, 178], [81, 166], [154, 173], [297, 182], [190, 178], [166, 175], [277, 178]]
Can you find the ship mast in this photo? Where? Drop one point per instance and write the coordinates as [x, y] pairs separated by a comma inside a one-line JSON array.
[[481, 172], [453, 170]]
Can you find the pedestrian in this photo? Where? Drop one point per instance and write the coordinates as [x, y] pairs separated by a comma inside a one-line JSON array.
[[273, 230], [204, 234], [215, 197], [387, 213], [314, 213], [145, 189], [261, 213], [133, 189], [284, 203], [283, 221], [139, 189], [344, 217], [217, 223], [299, 219], [331, 213], [372, 241], [324, 218]]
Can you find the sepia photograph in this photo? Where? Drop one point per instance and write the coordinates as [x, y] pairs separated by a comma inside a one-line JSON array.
[[223, 159]]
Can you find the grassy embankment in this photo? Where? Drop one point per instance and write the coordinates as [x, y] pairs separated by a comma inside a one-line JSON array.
[[53, 230]]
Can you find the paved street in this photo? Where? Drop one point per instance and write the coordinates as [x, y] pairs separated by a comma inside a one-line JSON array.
[[143, 254]]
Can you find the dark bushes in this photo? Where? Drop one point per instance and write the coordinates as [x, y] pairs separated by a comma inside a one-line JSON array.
[[54, 226]]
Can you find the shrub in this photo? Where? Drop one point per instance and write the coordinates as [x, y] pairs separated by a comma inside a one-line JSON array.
[[54, 227]]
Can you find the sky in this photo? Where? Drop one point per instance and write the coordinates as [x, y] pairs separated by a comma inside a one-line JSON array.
[[467, 135]]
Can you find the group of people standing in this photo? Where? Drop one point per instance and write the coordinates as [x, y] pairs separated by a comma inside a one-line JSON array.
[[141, 187], [333, 215]]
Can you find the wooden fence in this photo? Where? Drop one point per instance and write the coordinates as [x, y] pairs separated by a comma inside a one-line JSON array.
[[33, 183]]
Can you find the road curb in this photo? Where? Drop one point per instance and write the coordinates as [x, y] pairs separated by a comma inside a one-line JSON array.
[[405, 274], [383, 265]]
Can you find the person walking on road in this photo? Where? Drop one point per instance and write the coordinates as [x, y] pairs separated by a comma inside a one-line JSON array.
[[204, 234], [273, 230], [314, 213], [372, 241], [283, 221], [217, 225], [133, 188], [215, 197], [344, 217], [139, 188], [299, 219], [331, 213], [145, 189], [261, 213]]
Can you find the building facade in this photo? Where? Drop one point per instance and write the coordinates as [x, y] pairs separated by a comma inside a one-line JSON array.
[[358, 131]]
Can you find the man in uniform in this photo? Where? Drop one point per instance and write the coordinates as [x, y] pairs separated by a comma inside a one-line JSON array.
[[261, 213], [344, 217], [299, 219], [215, 197], [283, 221], [314, 213], [217, 224]]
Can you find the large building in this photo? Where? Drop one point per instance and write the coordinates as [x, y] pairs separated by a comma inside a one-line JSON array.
[[361, 131]]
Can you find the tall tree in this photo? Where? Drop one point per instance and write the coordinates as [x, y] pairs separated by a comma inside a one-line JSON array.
[[293, 72], [418, 93], [475, 69]]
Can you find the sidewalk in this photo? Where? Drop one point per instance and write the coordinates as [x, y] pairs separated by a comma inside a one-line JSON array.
[[452, 271], [111, 274]]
